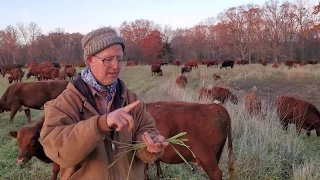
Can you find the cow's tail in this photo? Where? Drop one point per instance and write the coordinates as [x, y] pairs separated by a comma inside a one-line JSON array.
[[230, 152]]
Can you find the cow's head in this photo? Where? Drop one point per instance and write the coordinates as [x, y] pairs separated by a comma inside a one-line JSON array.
[[28, 75], [28, 144], [3, 107]]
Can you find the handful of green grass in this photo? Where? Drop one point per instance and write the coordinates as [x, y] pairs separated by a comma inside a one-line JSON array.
[[140, 145]]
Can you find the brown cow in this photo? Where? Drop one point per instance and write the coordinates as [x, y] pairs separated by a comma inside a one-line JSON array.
[[7, 68], [252, 104], [49, 73], [29, 146], [29, 95], [70, 72], [62, 75], [294, 110], [186, 69], [156, 69], [176, 63], [213, 63], [222, 94], [16, 75], [191, 63], [181, 81], [276, 64], [36, 71], [291, 64], [207, 126], [264, 62], [204, 93], [312, 62]]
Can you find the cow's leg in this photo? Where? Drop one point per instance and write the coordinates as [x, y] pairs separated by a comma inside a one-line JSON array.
[[27, 112], [13, 111], [318, 131], [210, 166], [55, 171], [159, 170]]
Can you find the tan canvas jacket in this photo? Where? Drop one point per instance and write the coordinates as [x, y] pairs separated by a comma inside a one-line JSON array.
[[71, 137]]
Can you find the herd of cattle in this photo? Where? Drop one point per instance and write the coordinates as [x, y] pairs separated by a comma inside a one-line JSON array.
[[200, 121], [41, 71], [156, 65]]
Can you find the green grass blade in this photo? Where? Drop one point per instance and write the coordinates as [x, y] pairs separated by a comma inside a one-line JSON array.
[[134, 153], [116, 160], [176, 136], [188, 147], [181, 157]]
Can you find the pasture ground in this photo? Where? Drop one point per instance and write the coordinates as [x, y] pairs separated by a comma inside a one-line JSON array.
[[262, 149]]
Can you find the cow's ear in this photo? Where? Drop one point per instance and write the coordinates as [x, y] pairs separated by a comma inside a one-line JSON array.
[[13, 134]]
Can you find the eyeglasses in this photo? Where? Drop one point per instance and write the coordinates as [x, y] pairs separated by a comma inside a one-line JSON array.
[[108, 61]]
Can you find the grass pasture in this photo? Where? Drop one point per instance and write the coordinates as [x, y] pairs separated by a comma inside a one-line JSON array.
[[262, 149]]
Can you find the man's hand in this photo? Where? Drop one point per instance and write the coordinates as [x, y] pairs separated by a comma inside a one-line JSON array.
[[120, 117], [155, 145]]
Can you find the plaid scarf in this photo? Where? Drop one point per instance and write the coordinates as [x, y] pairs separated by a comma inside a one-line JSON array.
[[88, 78]]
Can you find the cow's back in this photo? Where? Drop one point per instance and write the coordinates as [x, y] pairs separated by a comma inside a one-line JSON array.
[[35, 94], [206, 126]]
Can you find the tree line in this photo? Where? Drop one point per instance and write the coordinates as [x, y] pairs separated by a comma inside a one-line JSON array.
[[272, 31]]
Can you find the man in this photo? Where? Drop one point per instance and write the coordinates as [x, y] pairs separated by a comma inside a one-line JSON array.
[[83, 125]]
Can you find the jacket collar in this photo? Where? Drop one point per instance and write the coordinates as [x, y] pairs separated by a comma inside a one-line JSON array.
[[82, 90]]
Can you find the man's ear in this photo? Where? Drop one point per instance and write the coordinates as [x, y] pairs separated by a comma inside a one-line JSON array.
[[89, 60], [13, 134]]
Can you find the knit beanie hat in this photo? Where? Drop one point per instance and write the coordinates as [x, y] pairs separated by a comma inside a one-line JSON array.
[[99, 39]]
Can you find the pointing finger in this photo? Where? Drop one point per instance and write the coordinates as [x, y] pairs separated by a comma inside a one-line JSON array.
[[131, 106]]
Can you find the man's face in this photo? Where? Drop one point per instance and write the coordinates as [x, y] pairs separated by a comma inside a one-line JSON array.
[[105, 65]]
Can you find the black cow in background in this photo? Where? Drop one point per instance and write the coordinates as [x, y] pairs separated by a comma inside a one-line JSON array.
[[227, 63]]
